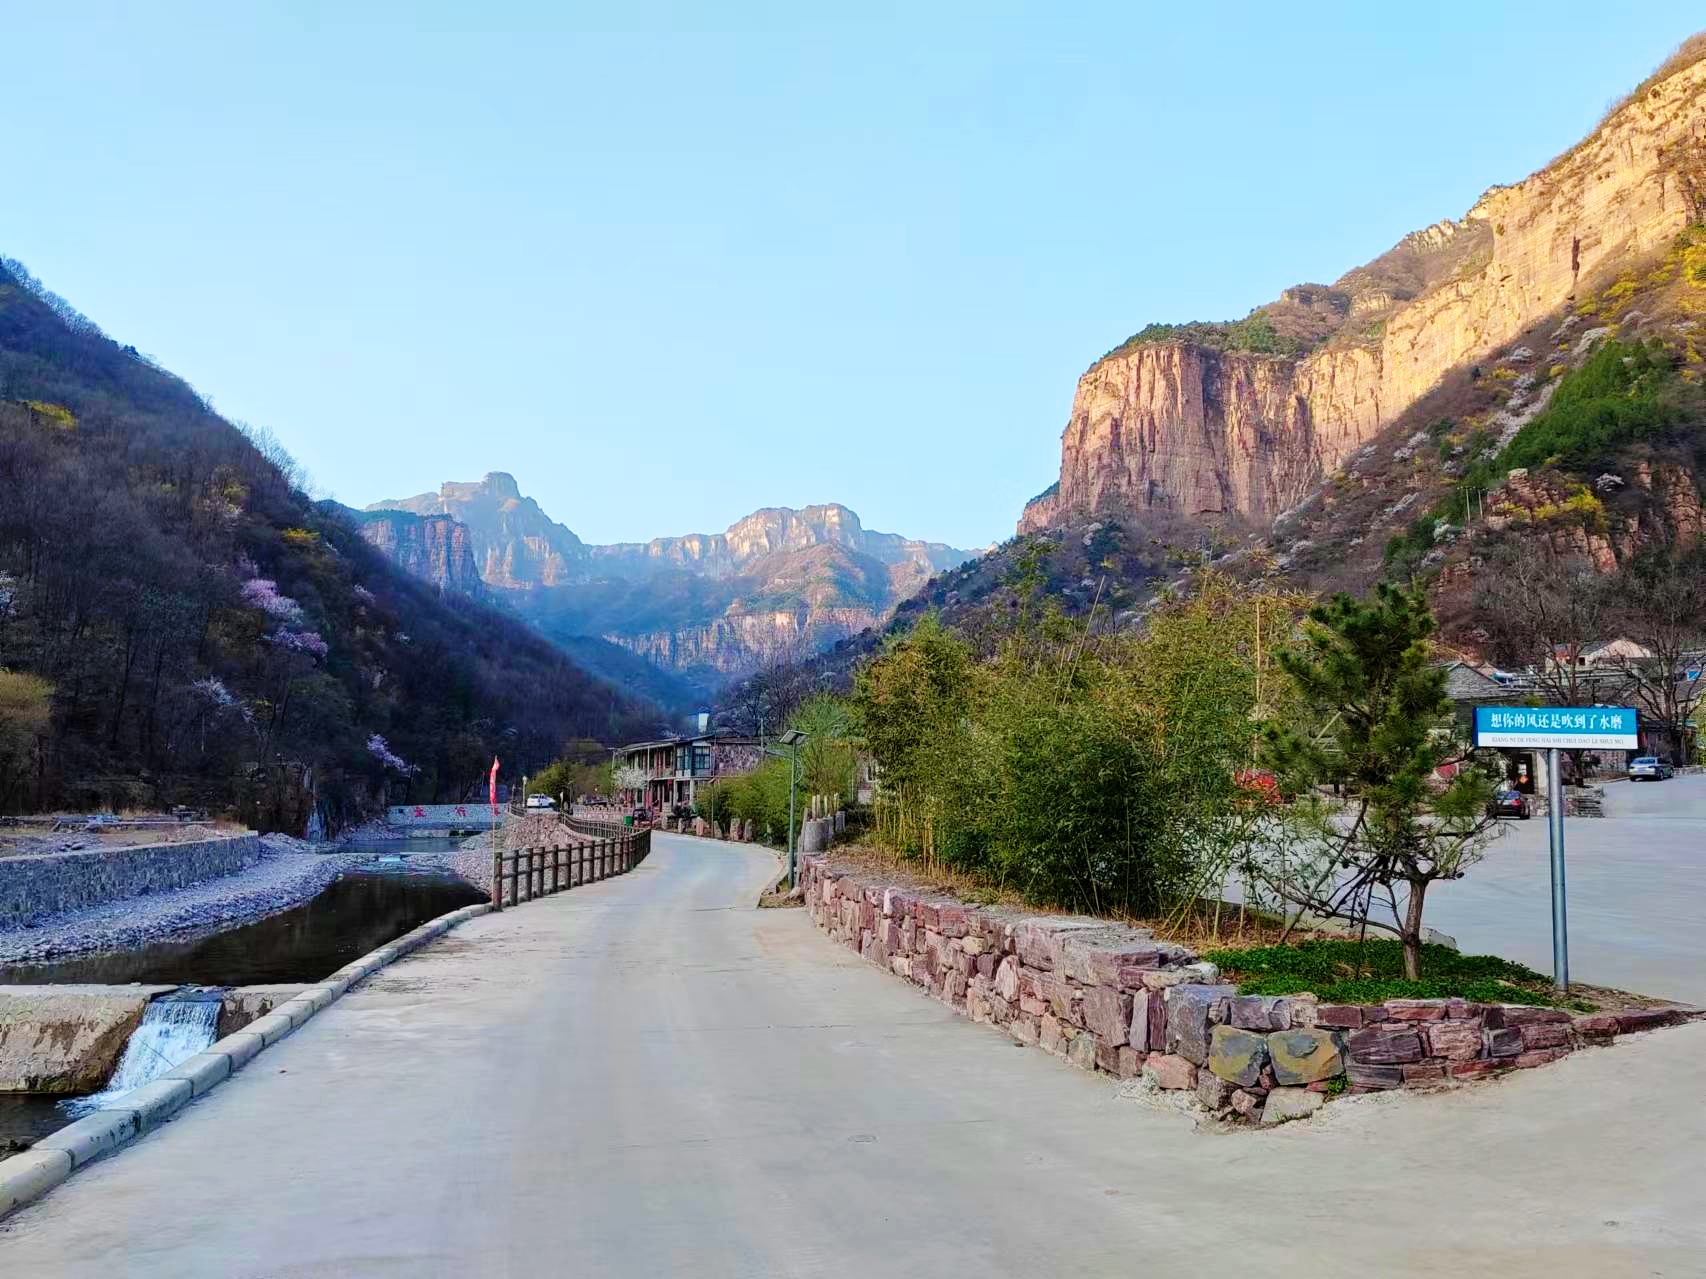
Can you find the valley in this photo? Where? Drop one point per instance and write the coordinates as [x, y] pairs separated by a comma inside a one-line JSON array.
[[774, 587]]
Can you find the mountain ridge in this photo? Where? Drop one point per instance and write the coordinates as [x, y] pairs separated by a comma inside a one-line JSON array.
[[778, 583], [183, 624], [1236, 422]]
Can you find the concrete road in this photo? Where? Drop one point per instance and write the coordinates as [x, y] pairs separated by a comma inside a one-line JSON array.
[[646, 1077], [1637, 892]]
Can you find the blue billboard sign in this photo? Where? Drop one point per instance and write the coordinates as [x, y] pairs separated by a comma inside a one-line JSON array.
[[1563, 727]]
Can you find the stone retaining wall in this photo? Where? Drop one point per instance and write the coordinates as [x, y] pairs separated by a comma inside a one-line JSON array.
[[49, 883], [1111, 998]]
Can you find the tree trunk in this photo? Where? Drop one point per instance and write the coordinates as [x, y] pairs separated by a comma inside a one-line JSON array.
[[1412, 930]]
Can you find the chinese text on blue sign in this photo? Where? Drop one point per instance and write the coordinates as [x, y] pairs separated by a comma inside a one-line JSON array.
[[1566, 727]]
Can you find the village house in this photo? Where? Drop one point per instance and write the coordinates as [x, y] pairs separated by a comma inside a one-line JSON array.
[[676, 767]]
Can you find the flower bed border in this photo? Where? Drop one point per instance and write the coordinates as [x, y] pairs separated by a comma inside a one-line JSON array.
[[1109, 997]]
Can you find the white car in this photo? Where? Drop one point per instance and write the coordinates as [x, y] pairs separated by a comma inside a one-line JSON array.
[[541, 801], [1650, 768]]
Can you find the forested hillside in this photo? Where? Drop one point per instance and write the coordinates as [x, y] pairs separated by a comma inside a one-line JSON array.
[[180, 623]]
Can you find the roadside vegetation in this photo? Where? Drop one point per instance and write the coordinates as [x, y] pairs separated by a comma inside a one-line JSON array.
[[827, 763], [1298, 758]]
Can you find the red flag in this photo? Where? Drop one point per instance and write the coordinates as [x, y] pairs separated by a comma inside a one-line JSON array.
[[494, 783]]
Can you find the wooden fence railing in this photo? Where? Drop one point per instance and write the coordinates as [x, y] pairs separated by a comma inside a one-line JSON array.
[[597, 827], [521, 874]]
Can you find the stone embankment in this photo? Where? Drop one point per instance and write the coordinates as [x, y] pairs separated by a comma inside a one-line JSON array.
[[273, 880], [33, 885], [1112, 998]]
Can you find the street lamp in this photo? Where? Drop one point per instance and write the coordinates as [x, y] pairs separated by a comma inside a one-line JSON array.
[[791, 739]]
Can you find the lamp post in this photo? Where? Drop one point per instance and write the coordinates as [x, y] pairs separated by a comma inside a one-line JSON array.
[[791, 739]]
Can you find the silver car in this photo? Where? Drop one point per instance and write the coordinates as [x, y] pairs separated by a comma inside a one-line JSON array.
[[1648, 768]]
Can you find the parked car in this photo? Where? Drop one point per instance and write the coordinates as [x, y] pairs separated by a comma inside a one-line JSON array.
[[541, 801], [1649, 768], [1510, 803]]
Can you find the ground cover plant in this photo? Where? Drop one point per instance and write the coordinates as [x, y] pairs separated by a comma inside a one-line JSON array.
[[1349, 971]]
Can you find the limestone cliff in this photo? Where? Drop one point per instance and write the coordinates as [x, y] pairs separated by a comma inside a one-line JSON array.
[[780, 582], [516, 545], [1243, 420], [436, 548], [738, 642]]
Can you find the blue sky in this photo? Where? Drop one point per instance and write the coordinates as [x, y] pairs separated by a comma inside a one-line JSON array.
[[670, 263]]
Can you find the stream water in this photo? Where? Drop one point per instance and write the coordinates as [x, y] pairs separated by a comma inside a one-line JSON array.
[[174, 1028], [357, 912], [400, 887]]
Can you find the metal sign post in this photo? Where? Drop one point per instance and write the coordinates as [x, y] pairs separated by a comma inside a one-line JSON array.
[[1555, 829], [1552, 729]]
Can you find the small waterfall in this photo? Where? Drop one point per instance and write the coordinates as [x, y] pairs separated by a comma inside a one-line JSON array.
[[174, 1028]]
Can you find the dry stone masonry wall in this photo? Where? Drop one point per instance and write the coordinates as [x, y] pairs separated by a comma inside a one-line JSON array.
[[1116, 999], [49, 883]]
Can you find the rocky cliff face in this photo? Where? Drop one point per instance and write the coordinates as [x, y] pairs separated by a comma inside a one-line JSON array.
[[1199, 424], [773, 531], [778, 583], [736, 643], [436, 548], [516, 545]]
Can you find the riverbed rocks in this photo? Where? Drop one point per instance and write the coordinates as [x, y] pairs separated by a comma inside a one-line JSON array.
[[1104, 996]]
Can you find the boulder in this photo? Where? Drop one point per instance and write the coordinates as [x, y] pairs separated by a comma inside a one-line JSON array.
[[1245, 1103], [1107, 1014], [1415, 1009], [1597, 1026], [1007, 979], [1454, 1040], [1137, 1031], [1304, 1056], [1190, 1012], [1050, 1037], [1237, 1056], [1285, 1104], [1081, 1050], [1344, 1016], [1213, 1091], [1170, 1072], [1366, 1077], [1545, 1034], [1384, 1046], [1260, 1012]]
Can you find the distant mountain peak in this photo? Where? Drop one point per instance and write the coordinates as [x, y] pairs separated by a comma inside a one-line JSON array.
[[710, 603]]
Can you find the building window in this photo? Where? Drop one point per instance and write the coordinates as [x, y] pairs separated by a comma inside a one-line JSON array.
[[702, 759]]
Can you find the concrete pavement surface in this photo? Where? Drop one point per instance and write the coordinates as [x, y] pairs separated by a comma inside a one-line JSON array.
[[1637, 892], [647, 1077]]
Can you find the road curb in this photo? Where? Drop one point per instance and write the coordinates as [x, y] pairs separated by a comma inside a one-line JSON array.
[[26, 1177]]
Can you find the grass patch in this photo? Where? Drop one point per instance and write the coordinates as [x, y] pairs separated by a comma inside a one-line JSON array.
[[1351, 972]]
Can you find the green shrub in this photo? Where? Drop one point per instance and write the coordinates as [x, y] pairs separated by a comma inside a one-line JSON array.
[[1623, 392]]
